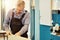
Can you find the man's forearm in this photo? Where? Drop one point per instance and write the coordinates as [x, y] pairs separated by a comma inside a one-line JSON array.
[[24, 29]]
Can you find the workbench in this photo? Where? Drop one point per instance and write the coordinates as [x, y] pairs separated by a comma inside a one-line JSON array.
[[11, 37]]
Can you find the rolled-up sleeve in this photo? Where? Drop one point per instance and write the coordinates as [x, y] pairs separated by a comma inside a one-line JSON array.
[[6, 22], [26, 24]]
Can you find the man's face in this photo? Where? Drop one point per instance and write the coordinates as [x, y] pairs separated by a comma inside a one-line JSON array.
[[20, 7]]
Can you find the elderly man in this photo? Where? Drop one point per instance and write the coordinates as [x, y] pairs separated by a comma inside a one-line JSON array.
[[18, 20]]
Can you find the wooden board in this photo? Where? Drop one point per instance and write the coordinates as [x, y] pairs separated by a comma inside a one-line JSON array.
[[13, 37]]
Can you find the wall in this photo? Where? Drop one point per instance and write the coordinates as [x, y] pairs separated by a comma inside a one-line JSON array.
[[54, 4], [0, 14], [45, 12]]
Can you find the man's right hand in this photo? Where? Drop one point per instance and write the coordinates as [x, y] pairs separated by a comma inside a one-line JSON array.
[[8, 33]]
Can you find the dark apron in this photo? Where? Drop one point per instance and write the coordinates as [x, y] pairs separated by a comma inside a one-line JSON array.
[[16, 25]]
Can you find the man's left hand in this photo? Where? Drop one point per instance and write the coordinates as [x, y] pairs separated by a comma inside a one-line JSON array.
[[17, 34]]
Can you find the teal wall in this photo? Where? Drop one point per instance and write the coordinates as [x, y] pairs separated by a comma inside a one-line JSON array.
[[55, 37], [45, 32]]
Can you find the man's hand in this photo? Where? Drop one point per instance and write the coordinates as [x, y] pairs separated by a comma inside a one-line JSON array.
[[8, 33], [17, 34]]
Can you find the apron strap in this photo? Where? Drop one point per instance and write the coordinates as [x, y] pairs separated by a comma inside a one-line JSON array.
[[21, 16], [12, 14]]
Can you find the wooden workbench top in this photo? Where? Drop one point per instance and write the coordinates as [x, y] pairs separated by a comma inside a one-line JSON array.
[[13, 37]]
